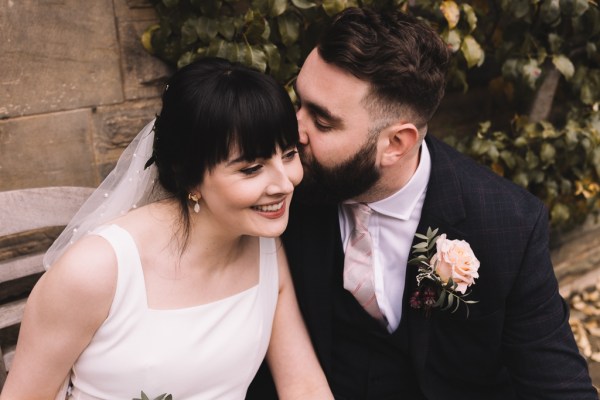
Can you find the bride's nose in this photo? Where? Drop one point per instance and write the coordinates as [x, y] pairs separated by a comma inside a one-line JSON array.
[[281, 182]]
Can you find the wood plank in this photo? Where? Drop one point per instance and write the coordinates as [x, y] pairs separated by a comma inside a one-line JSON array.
[[27, 209], [9, 354], [20, 267], [11, 313]]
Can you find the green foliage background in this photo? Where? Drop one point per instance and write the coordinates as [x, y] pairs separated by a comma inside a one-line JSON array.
[[538, 60]]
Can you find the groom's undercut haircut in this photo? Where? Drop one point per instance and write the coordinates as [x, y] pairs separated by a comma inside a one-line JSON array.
[[212, 110], [402, 58]]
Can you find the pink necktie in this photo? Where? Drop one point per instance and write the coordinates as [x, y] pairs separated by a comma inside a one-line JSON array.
[[358, 261]]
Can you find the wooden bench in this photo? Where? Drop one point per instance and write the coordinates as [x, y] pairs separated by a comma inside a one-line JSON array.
[[30, 219]]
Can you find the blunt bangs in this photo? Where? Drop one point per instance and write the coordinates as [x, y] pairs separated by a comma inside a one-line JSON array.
[[213, 109], [251, 116]]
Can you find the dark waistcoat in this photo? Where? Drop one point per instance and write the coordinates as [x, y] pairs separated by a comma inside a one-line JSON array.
[[368, 361]]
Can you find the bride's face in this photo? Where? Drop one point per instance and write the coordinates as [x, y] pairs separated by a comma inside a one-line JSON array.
[[251, 198]]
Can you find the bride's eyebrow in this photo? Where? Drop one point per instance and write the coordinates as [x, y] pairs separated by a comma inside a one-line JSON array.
[[236, 161]]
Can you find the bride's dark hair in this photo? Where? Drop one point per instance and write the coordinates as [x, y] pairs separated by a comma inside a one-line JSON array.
[[210, 108]]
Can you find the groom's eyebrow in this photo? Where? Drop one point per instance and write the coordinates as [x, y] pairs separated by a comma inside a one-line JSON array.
[[324, 114], [320, 111]]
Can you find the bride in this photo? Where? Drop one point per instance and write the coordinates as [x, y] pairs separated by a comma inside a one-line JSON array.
[[171, 278]]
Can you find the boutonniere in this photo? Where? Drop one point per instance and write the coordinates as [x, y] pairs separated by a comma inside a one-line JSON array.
[[163, 396], [444, 275]]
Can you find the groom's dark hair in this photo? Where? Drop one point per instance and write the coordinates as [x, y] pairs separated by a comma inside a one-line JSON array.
[[402, 58]]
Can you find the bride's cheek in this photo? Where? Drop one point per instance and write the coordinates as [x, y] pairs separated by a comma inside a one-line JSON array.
[[298, 175]]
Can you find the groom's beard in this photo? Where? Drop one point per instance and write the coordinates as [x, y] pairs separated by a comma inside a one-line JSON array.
[[324, 185]]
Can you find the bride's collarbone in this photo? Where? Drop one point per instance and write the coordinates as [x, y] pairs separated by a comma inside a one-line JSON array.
[[173, 282]]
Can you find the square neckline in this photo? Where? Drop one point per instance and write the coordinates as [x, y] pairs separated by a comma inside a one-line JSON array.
[[224, 300]]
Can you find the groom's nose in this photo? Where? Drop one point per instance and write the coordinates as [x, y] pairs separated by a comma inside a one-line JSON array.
[[301, 127]]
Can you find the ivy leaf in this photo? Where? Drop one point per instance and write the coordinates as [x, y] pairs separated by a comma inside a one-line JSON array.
[[453, 39], [537, 176], [303, 4], [458, 79], [508, 158], [288, 70], [217, 48], [262, 6], [521, 179], [235, 52], [226, 27], [519, 8], [451, 12], [273, 57], [210, 8], [277, 7], [555, 42], [289, 28], [596, 160], [559, 212], [564, 65], [547, 153], [471, 16], [472, 52], [333, 7], [574, 8], [591, 49], [493, 152], [550, 12], [510, 68], [206, 28], [532, 160], [256, 58], [531, 72], [186, 58], [188, 32], [147, 37], [170, 3], [586, 94], [256, 26]]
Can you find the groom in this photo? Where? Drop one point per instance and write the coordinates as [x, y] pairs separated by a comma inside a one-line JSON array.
[[374, 177]]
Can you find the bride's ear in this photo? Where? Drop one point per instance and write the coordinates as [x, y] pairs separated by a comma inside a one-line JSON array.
[[398, 140]]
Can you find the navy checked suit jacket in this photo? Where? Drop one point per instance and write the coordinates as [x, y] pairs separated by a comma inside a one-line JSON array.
[[516, 341]]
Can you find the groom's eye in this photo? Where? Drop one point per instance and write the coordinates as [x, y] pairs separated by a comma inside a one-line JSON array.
[[320, 125]]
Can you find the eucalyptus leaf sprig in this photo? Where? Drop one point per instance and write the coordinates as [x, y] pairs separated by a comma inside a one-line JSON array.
[[163, 396]]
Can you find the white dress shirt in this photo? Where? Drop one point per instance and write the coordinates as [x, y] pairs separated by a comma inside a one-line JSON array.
[[392, 226]]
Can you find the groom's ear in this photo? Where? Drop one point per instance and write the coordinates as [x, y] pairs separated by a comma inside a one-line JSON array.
[[398, 141]]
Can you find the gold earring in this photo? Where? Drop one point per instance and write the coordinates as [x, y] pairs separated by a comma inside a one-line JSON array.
[[194, 197]]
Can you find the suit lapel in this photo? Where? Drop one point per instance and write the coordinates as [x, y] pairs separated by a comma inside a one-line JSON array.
[[443, 209], [313, 246]]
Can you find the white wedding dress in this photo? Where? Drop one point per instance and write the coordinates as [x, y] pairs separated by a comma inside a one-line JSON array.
[[209, 351]]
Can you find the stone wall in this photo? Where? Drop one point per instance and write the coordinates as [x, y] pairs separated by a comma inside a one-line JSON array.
[[76, 86]]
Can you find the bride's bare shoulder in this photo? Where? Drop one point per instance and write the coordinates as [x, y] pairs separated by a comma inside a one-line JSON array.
[[87, 269]]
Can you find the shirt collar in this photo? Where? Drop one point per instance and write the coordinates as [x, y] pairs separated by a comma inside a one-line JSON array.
[[401, 204]]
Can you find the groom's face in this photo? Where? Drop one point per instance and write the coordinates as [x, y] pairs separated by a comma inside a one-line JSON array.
[[338, 152]]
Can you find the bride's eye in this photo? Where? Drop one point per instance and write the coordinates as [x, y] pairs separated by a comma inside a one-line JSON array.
[[253, 169], [290, 154]]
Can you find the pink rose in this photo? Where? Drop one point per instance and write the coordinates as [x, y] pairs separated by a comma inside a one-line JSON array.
[[455, 259]]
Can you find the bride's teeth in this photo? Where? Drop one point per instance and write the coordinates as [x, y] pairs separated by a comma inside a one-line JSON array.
[[270, 208]]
